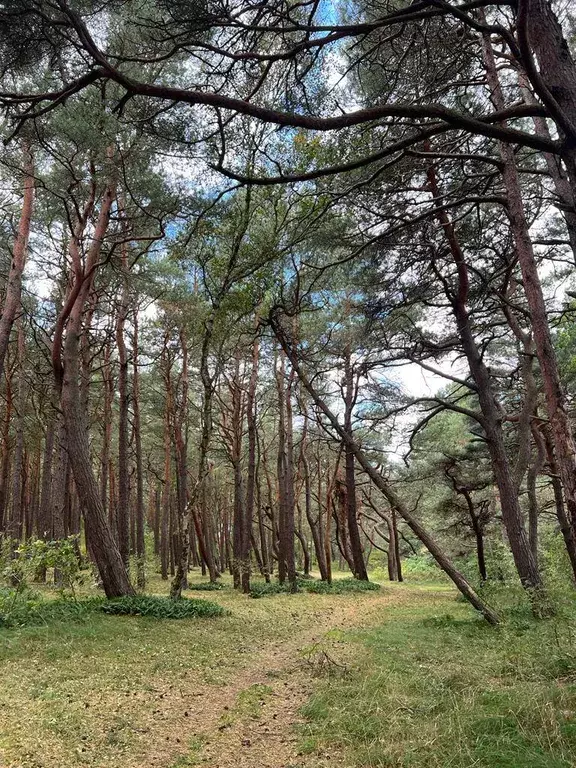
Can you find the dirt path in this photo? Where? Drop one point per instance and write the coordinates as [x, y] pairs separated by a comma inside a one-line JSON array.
[[251, 722]]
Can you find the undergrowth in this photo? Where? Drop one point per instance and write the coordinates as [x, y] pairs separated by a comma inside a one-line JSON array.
[[161, 607], [337, 587], [206, 586], [29, 608]]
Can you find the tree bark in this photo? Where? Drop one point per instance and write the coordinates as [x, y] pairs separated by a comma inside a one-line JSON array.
[[123, 509], [66, 364], [13, 295], [492, 413], [139, 511], [556, 404], [351, 500]]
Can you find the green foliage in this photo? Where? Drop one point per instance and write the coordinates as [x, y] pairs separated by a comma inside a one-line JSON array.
[[206, 586], [422, 568], [20, 563], [25, 608], [263, 589], [161, 607], [337, 587], [340, 586]]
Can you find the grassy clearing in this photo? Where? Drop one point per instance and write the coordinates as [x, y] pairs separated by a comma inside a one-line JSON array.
[[433, 687], [430, 686], [129, 690]]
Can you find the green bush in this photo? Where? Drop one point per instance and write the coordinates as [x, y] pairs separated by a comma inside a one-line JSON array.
[[161, 607], [263, 589], [21, 562], [28, 608], [337, 587], [341, 586], [206, 586]]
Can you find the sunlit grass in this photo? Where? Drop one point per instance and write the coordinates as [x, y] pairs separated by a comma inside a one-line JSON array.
[[104, 690], [434, 689]]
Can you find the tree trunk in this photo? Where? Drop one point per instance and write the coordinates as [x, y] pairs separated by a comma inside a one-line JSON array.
[[14, 284], [556, 404], [492, 414], [182, 509], [139, 510], [251, 480], [123, 509], [360, 571], [66, 363]]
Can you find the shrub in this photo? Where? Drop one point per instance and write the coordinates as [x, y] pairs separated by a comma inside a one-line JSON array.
[[23, 608], [28, 608], [206, 586], [20, 562], [161, 607], [262, 588], [338, 587]]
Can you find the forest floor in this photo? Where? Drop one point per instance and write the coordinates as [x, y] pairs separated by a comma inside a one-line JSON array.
[[407, 676]]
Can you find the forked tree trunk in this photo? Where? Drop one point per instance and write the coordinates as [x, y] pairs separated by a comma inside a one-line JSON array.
[[66, 364], [556, 403], [491, 412]]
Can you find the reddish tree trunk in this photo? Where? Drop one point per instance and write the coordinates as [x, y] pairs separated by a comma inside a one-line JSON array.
[[18, 262]]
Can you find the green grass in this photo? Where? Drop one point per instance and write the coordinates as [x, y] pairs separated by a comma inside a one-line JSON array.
[[422, 682], [433, 688], [128, 691]]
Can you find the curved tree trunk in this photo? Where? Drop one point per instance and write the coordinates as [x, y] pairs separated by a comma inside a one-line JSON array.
[[381, 483], [66, 363], [19, 251]]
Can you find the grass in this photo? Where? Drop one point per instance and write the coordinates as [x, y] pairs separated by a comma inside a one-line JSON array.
[[434, 688], [430, 685], [128, 690]]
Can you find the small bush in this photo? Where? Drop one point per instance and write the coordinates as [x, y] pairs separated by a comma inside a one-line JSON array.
[[206, 586], [28, 608], [20, 562], [161, 607], [341, 586], [338, 587], [263, 589]]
